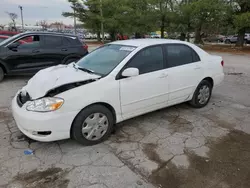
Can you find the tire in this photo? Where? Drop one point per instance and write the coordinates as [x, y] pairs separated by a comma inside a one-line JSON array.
[[71, 60], [1, 74], [227, 41], [196, 101], [84, 120]]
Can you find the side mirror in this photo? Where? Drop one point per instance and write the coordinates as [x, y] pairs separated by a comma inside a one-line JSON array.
[[13, 46], [130, 72]]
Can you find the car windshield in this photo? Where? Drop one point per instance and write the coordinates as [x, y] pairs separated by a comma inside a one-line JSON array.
[[3, 43], [104, 59], [2, 39]]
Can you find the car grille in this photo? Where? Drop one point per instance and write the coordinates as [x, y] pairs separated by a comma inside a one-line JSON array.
[[22, 99]]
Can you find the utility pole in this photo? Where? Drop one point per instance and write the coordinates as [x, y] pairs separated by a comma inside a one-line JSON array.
[[21, 9], [102, 31], [74, 18]]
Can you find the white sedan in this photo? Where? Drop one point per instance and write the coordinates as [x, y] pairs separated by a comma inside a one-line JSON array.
[[117, 81]]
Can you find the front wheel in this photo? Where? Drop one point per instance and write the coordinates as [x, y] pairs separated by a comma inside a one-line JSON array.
[[92, 125], [202, 94]]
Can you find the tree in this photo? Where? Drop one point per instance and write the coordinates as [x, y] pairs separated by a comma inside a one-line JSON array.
[[87, 12], [43, 23], [205, 13], [241, 18], [140, 17], [163, 10], [127, 16], [13, 17]]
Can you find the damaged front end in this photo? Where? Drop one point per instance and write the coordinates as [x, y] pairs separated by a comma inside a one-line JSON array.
[[66, 87], [24, 96]]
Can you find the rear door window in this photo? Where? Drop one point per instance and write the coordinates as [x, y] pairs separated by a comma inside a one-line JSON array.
[[52, 41], [179, 54]]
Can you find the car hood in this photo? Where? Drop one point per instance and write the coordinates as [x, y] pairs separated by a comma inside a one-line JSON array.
[[53, 77]]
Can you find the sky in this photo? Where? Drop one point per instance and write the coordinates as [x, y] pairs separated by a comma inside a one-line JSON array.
[[35, 10]]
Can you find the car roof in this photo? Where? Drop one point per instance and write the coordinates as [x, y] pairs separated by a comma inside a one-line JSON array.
[[146, 42], [48, 33]]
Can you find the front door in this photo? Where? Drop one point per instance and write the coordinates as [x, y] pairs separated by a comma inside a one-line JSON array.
[[26, 57], [149, 90], [185, 72]]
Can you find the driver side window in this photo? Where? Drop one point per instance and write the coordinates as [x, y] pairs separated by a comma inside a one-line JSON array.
[[32, 41], [148, 60]]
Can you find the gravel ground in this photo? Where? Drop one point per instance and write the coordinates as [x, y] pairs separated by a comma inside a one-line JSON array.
[[177, 147]]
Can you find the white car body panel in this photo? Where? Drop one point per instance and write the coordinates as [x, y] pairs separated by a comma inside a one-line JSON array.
[[128, 97], [183, 80], [138, 97], [53, 77]]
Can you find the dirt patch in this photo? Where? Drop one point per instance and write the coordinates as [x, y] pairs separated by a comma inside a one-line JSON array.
[[228, 166], [219, 122], [52, 177], [227, 48], [178, 124], [149, 150]]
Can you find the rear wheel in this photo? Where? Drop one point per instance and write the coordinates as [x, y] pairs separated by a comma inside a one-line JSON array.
[[1, 74], [227, 41], [92, 125], [202, 94], [71, 60]]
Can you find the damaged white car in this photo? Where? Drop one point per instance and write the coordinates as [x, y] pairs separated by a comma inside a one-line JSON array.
[[115, 82]]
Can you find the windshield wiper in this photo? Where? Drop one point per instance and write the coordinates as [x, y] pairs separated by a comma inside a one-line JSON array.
[[83, 69], [86, 70]]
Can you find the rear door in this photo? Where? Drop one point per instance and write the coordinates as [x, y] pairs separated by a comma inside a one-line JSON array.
[[185, 71], [53, 50]]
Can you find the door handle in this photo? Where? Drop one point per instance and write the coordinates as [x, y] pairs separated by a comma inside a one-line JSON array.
[[163, 75], [64, 49], [35, 51]]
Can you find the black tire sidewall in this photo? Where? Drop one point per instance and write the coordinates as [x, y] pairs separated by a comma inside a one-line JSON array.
[[70, 60], [1, 74], [76, 131], [195, 101]]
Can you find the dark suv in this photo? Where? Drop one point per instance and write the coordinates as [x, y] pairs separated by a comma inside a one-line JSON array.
[[43, 50]]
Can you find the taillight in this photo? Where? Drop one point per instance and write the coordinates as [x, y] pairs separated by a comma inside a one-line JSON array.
[[85, 46], [222, 63]]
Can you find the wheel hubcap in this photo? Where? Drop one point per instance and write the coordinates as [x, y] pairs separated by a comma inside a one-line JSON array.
[[95, 126], [204, 94]]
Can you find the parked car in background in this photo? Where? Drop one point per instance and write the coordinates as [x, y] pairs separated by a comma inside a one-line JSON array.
[[215, 38], [234, 38], [117, 81], [9, 33], [45, 50], [12, 33], [122, 37], [4, 37], [90, 36]]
